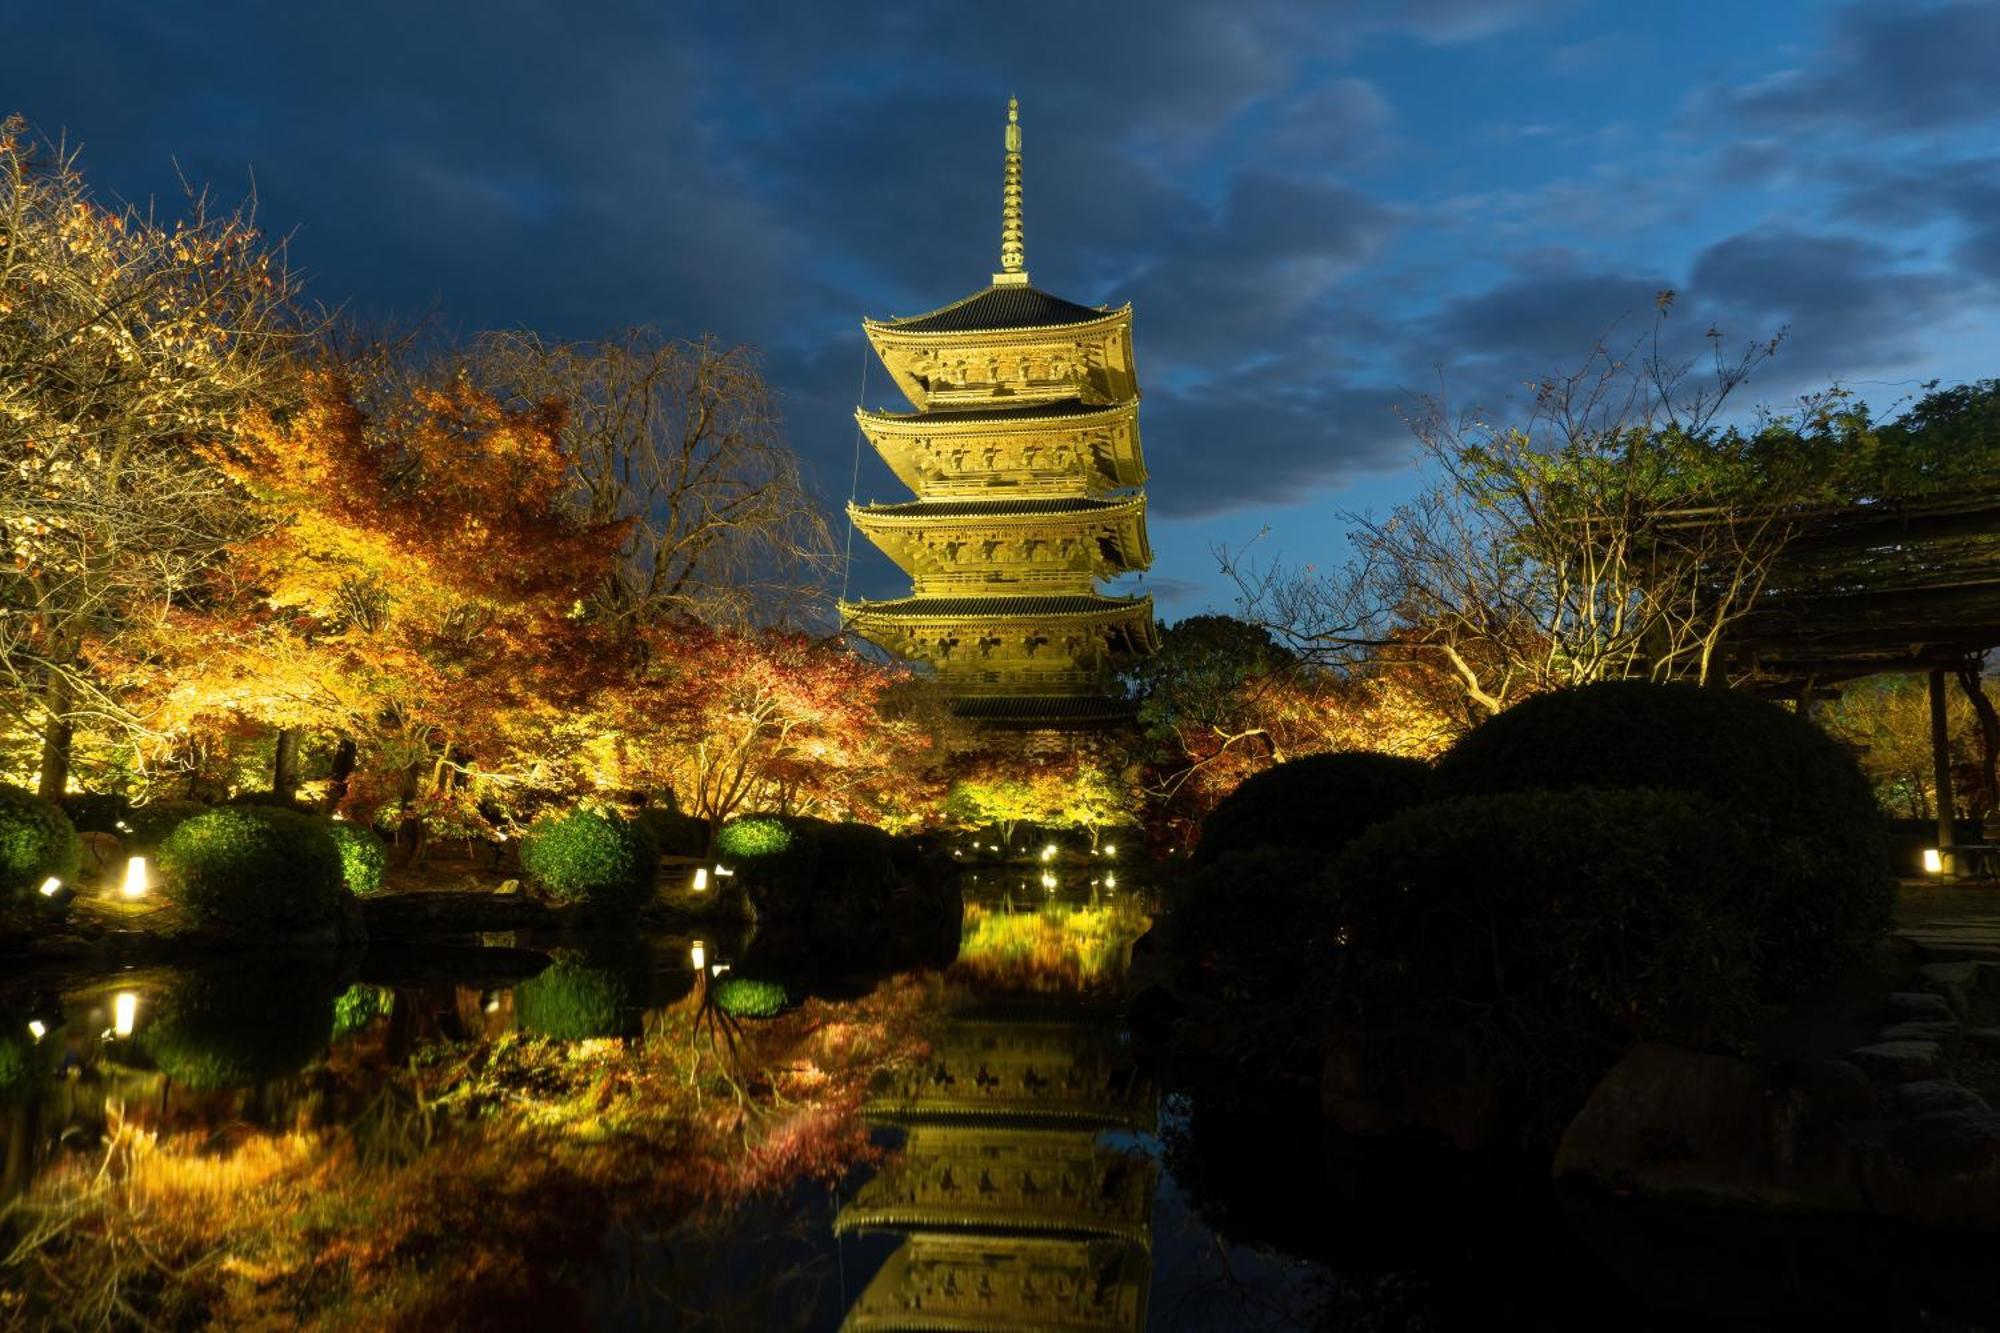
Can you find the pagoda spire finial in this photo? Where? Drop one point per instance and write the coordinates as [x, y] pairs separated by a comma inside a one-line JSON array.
[[1013, 247]]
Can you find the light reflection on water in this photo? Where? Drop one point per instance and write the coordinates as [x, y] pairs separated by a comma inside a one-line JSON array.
[[1030, 1165]]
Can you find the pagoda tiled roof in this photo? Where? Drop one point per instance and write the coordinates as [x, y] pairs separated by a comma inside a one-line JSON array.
[[1061, 407], [1071, 604], [1042, 707], [999, 308], [1024, 506]]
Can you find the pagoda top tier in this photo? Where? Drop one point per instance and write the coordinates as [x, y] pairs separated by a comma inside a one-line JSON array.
[[1009, 343]]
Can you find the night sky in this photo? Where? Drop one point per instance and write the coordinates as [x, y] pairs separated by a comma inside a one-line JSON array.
[[1315, 217]]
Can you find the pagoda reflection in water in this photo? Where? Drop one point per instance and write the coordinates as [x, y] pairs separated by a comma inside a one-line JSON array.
[[1015, 1211]]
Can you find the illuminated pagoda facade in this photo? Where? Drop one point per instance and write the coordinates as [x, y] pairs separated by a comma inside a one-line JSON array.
[[1023, 452]]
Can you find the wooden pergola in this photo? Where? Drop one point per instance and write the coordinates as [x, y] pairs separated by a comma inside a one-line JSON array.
[[1884, 587]]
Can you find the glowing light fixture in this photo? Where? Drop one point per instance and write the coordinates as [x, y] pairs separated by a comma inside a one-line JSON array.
[[698, 955], [124, 827], [1110, 879], [50, 886], [723, 872], [1111, 849], [1933, 861], [1049, 852], [124, 1012], [701, 879], [1048, 880], [37, 1029], [135, 878]]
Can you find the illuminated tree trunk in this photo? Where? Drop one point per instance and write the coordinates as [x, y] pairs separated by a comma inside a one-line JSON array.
[[285, 765], [57, 734], [344, 756]]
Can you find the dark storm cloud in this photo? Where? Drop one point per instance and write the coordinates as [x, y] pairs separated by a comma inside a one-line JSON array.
[[1885, 67], [1230, 446], [1849, 304], [1964, 194]]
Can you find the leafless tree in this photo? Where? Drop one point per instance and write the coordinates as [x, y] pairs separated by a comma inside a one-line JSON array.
[[129, 344], [683, 437], [1615, 530]]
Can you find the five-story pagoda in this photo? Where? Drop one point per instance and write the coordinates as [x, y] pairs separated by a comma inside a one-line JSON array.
[[1024, 455]]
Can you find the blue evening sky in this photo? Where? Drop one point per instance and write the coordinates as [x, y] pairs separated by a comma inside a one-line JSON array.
[[1319, 211]]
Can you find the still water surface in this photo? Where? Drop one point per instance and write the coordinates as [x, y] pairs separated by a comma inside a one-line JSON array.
[[469, 1136]]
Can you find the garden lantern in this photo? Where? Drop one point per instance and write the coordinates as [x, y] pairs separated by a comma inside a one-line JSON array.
[[124, 1012], [1933, 861], [51, 886], [135, 878], [698, 955], [701, 879]]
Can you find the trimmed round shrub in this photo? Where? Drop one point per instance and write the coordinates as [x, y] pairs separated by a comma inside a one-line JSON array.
[[1822, 891], [36, 841], [576, 997], [358, 1006], [1321, 802], [253, 866], [96, 812], [364, 858], [675, 833], [588, 857], [234, 1030], [854, 860], [771, 851], [1252, 925], [149, 825], [749, 997], [1551, 930]]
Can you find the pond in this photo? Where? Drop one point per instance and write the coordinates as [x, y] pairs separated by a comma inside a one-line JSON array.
[[621, 1134]]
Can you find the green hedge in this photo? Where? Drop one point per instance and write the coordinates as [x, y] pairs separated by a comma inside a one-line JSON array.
[[854, 860], [771, 852], [1821, 888], [1254, 925], [1560, 928], [577, 997], [588, 857], [150, 825], [253, 866], [1321, 802], [36, 841], [749, 997], [358, 1006], [364, 858], [233, 1030]]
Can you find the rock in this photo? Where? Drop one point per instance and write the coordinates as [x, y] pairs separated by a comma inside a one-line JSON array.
[[1946, 1035], [1900, 1061], [1954, 981], [1936, 1094], [1941, 1169], [1838, 1085], [1410, 1079], [1983, 1036], [508, 887], [1670, 1123], [1920, 1005]]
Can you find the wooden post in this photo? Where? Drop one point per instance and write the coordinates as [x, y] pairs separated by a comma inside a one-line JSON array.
[[1941, 762]]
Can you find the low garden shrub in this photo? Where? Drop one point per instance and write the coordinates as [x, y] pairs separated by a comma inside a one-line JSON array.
[[855, 860], [588, 857], [238, 1029], [358, 1006], [149, 825], [577, 996], [1253, 925], [749, 997], [1553, 930], [96, 812], [675, 833], [771, 852], [1321, 802], [253, 866], [364, 858], [1821, 886], [36, 841]]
